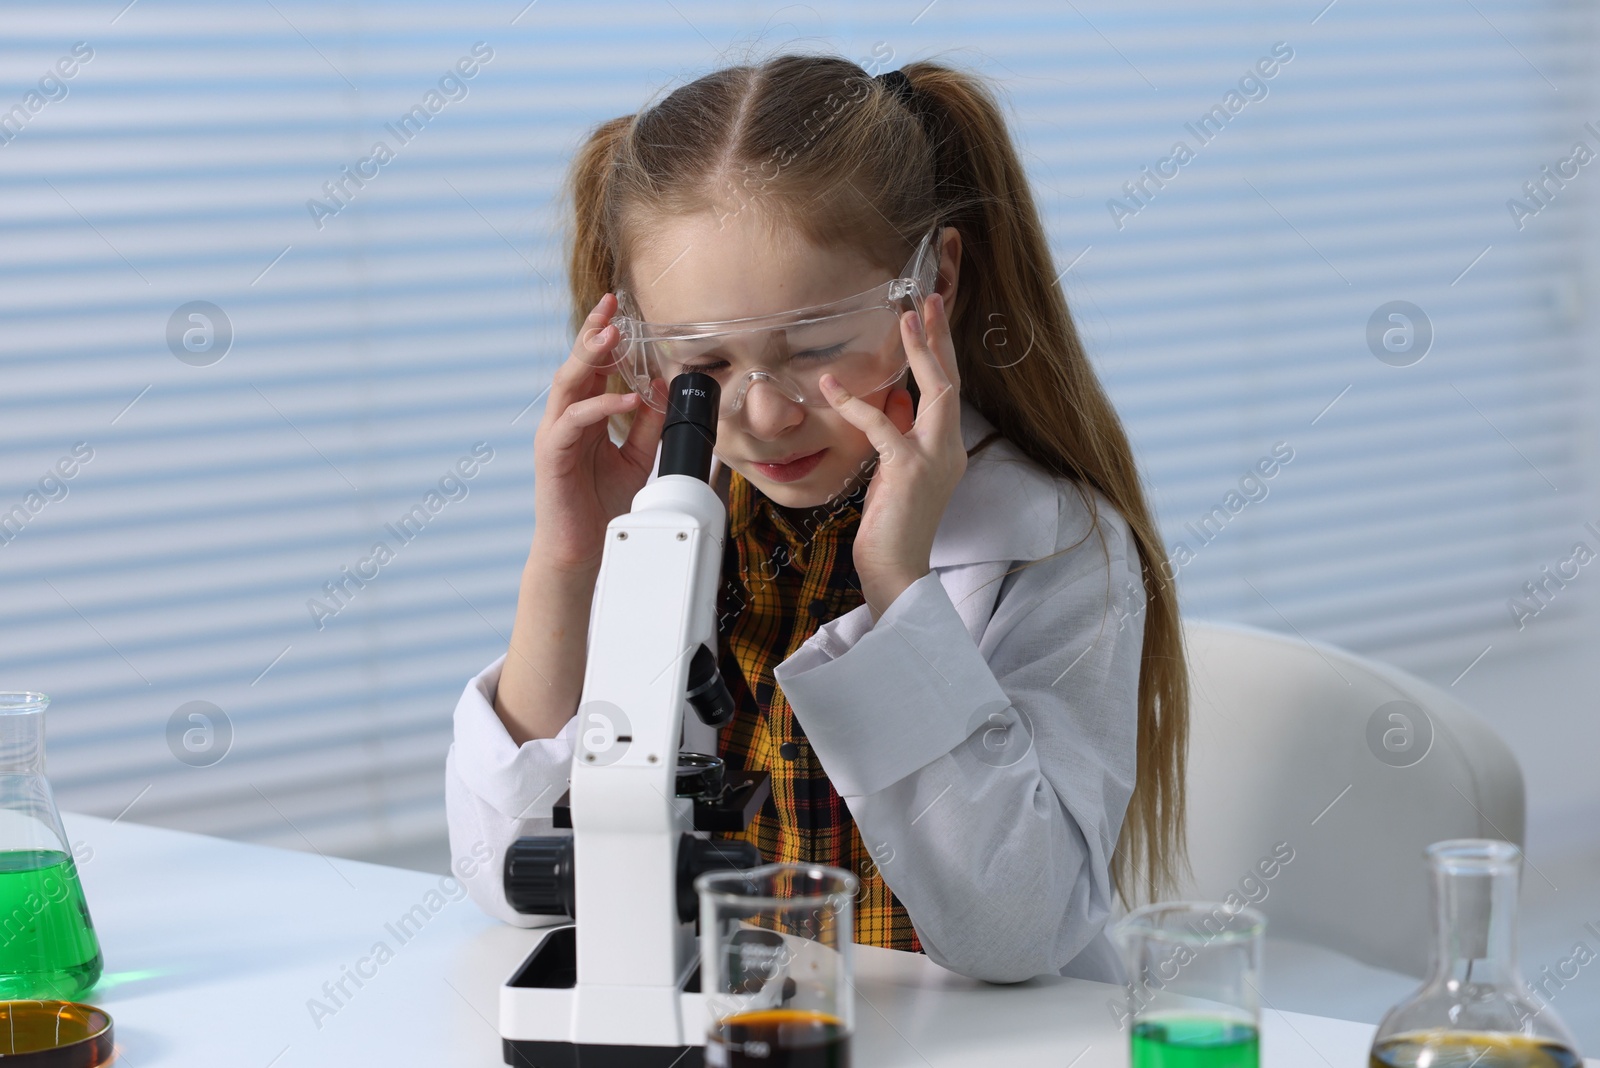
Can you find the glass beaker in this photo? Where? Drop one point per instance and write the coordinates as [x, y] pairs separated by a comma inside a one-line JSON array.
[[1193, 976], [1474, 1008], [48, 948], [775, 966]]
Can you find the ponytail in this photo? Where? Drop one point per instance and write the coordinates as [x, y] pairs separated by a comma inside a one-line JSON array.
[[591, 263], [1037, 386]]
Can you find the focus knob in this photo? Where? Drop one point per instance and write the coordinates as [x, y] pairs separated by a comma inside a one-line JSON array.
[[696, 856], [538, 876]]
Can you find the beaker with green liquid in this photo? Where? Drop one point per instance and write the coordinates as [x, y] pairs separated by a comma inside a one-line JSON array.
[[1193, 972], [48, 948]]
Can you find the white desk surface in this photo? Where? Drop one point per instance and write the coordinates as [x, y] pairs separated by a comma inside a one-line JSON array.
[[213, 950]]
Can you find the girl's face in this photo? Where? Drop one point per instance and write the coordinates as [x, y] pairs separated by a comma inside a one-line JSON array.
[[698, 268]]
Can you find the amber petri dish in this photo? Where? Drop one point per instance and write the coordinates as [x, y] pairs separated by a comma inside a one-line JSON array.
[[54, 1034]]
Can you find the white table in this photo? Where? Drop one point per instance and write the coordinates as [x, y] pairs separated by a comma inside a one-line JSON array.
[[213, 950]]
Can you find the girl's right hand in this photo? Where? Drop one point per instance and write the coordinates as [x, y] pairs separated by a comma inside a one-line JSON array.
[[582, 480]]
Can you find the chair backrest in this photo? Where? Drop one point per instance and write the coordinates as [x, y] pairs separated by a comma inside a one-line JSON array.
[[1316, 778]]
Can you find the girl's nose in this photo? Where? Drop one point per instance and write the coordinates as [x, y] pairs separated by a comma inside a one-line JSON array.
[[767, 412]]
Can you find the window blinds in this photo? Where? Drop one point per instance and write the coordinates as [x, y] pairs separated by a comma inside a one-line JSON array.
[[269, 389]]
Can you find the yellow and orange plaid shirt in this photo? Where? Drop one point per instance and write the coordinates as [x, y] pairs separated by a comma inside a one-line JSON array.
[[786, 571]]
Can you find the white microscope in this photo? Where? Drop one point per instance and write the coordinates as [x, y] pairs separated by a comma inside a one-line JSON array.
[[619, 986]]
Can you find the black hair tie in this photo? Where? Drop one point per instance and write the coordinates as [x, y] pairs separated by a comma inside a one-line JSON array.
[[898, 83]]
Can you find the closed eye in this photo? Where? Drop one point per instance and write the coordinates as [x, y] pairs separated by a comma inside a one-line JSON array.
[[829, 352], [714, 365], [819, 354]]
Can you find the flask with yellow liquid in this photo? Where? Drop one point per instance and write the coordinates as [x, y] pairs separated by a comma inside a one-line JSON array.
[[1474, 1009]]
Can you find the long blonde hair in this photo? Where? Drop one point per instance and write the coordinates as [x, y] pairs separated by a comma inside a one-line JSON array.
[[813, 142]]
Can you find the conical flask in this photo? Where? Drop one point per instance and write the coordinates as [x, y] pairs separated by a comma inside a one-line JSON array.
[[48, 948], [1474, 1009]]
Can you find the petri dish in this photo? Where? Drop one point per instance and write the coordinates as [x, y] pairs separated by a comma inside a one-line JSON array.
[[54, 1034]]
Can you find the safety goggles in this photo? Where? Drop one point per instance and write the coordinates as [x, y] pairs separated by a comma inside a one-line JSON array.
[[856, 339]]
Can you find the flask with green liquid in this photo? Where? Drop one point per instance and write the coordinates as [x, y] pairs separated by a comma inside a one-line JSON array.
[[48, 948]]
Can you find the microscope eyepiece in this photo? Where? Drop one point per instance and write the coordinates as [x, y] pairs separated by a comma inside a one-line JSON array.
[[693, 400]]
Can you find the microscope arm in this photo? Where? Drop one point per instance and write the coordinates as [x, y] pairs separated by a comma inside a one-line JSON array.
[[626, 873]]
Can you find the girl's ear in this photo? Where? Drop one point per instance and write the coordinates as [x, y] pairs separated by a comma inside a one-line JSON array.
[[949, 264]]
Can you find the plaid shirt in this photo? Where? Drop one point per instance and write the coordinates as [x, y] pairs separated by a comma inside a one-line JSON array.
[[786, 571]]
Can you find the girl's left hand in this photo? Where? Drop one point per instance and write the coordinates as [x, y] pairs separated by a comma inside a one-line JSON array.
[[920, 460]]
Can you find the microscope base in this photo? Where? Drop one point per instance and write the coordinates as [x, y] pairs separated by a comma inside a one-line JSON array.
[[570, 1055], [538, 1000]]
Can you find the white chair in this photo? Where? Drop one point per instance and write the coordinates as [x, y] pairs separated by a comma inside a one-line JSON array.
[[1303, 747]]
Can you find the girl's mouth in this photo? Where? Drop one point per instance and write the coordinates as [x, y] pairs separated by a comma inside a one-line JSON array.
[[793, 470]]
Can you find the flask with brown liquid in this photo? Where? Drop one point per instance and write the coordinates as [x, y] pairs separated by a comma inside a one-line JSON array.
[[1474, 1010]]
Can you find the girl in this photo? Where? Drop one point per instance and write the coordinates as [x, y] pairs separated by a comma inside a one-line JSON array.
[[944, 620]]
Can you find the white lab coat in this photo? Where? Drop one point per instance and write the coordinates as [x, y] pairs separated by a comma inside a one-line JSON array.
[[995, 831]]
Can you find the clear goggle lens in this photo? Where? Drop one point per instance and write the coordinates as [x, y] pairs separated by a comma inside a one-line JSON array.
[[856, 340]]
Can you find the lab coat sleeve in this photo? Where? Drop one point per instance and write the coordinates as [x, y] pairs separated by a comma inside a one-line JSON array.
[[497, 792], [989, 778]]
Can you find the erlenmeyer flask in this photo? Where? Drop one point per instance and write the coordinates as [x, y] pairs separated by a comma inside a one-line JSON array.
[[48, 948], [1475, 1009]]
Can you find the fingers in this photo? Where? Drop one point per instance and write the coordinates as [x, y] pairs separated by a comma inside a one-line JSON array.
[[930, 349], [944, 347], [583, 373], [577, 417], [598, 320], [872, 422], [645, 434], [933, 362]]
